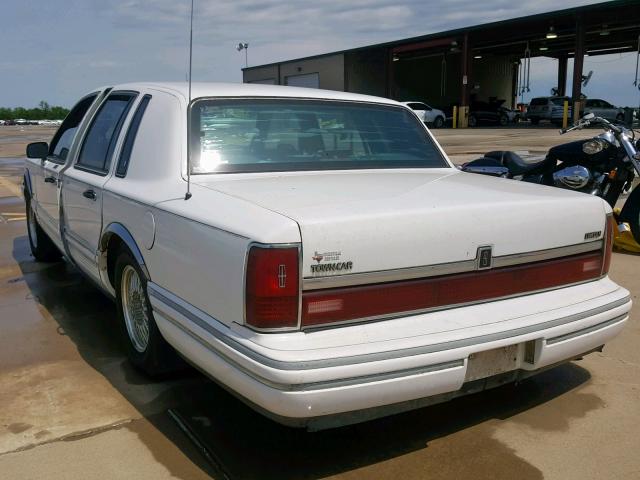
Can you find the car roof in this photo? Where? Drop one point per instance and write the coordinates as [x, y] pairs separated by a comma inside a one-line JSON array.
[[203, 90]]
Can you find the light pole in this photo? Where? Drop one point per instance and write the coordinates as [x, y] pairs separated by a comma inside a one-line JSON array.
[[244, 46]]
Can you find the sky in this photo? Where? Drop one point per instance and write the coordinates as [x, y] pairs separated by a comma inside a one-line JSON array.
[[57, 50]]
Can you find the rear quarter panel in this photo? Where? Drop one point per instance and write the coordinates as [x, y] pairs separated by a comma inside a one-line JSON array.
[[193, 248]]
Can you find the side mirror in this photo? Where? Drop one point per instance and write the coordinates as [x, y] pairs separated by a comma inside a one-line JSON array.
[[37, 150], [588, 116]]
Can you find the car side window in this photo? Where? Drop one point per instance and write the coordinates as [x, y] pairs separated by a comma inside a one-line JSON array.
[[97, 148], [416, 106], [125, 155], [62, 140]]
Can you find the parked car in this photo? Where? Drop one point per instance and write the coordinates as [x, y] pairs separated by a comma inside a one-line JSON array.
[[603, 109], [429, 115], [315, 251], [548, 108], [10, 122], [491, 112]]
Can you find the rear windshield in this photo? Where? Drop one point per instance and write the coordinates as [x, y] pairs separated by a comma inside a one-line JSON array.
[[559, 101], [265, 135]]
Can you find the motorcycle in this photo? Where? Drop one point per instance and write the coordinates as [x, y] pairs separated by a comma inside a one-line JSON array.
[[604, 165]]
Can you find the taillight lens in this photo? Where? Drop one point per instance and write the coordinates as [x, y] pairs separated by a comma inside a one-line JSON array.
[[369, 301], [609, 233], [272, 287]]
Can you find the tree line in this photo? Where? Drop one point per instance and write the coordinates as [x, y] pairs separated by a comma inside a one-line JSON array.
[[43, 111]]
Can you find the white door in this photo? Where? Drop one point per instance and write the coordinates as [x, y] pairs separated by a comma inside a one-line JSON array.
[[429, 114], [83, 184], [49, 189], [307, 80], [422, 111]]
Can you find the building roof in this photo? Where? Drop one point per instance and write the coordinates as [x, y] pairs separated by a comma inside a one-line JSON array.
[[622, 18]]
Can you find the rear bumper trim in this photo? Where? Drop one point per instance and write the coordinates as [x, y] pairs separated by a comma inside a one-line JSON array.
[[584, 331], [165, 301]]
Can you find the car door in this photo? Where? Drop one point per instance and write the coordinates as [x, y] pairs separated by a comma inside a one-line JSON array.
[[428, 113], [593, 105], [48, 183], [608, 111], [420, 110], [83, 184]]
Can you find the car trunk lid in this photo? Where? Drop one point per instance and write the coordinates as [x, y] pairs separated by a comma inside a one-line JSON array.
[[374, 221]]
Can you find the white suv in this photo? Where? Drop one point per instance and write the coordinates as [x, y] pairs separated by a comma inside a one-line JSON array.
[[429, 115], [547, 108]]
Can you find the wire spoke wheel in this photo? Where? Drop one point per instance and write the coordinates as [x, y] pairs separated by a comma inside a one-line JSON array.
[[134, 308]]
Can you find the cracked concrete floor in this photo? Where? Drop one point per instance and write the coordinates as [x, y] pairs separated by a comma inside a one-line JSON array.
[[71, 406]]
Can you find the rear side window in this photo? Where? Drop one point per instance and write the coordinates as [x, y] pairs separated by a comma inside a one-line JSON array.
[[129, 140], [61, 143], [538, 101], [98, 145]]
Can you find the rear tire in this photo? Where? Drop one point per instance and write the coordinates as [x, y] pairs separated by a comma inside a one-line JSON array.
[[146, 349], [473, 121], [504, 120], [438, 122], [42, 247]]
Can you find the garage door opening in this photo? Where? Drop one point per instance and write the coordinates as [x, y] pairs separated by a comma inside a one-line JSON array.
[[307, 80]]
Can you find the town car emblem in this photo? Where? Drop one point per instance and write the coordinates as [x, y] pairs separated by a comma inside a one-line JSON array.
[[328, 262], [484, 258], [592, 235]]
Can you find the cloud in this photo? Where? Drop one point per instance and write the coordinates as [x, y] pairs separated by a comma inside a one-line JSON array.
[[84, 43], [103, 64]]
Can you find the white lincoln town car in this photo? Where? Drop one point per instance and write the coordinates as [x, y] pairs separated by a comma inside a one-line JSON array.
[[316, 252]]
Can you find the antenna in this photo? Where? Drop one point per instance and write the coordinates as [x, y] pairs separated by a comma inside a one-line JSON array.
[[187, 195]]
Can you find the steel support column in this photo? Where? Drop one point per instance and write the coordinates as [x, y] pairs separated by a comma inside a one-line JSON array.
[[515, 71], [578, 62], [391, 80], [465, 82], [562, 75]]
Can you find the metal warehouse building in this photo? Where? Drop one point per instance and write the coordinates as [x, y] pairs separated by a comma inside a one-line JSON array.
[[479, 63]]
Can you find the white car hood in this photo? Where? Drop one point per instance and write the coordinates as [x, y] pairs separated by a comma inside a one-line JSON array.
[[388, 219]]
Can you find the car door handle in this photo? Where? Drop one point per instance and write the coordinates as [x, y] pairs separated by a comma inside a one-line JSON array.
[[90, 194], [49, 179]]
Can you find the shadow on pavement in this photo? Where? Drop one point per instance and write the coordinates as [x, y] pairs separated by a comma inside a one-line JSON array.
[[245, 444]]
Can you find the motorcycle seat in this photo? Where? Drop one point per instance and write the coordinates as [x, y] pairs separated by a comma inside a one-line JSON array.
[[516, 164]]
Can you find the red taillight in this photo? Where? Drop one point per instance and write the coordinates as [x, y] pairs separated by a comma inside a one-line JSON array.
[[609, 233], [353, 303], [272, 287]]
